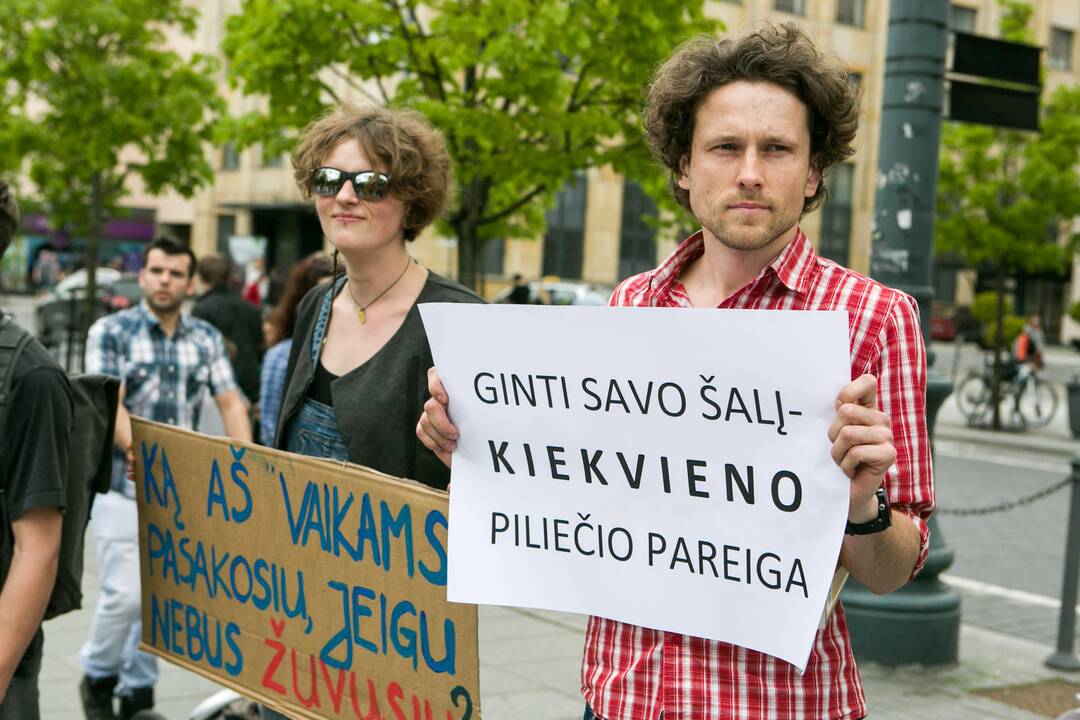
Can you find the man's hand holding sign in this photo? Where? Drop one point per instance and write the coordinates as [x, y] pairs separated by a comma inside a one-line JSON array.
[[717, 469], [862, 445]]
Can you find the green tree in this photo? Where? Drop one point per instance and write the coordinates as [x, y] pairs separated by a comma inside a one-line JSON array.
[[526, 91], [1006, 196], [95, 96]]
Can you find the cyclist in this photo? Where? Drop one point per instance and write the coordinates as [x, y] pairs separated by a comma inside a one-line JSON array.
[[1029, 344]]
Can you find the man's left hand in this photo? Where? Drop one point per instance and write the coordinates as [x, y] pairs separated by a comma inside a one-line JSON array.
[[862, 445]]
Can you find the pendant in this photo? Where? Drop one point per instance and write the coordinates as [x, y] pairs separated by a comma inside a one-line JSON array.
[[361, 315]]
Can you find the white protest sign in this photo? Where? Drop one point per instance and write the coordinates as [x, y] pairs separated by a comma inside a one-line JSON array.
[[668, 468]]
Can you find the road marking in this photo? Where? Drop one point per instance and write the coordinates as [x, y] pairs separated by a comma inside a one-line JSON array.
[[958, 450], [985, 588]]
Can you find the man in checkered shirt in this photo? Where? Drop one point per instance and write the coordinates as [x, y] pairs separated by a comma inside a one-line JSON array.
[[167, 361], [747, 128]]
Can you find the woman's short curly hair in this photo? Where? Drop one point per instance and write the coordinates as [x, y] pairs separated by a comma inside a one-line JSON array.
[[780, 54], [401, 143]]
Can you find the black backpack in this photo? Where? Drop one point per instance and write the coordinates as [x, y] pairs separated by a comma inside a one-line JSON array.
[[89, 464]]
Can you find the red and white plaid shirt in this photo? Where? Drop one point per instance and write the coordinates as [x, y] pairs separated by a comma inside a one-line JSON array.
[[634, 673]]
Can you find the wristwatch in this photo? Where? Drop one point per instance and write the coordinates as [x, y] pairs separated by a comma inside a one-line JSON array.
[[879, 524]]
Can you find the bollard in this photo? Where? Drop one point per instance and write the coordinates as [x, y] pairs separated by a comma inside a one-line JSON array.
[[1064, 658], [958, 344]]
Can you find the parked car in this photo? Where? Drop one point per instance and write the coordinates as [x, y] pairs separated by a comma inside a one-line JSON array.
[[123, 293], [75, 283], [942, 328], [561, 292]]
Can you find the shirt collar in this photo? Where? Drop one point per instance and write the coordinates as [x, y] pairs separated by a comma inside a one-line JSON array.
[[151, 319], [794, 266]]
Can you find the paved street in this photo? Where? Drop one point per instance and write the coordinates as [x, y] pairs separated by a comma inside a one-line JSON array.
[[1020, 551]]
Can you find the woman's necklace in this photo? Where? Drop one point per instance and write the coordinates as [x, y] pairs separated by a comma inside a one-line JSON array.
[[361, 309]]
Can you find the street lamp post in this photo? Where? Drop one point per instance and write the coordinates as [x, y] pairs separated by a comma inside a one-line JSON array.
[[920, 623]]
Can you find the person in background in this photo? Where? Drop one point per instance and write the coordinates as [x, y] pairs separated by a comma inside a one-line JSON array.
[[1030, 343], [357, 374], [256, 283], [167, 361], [278, 327], [520, 294], [238, 321], [33, 489], [45, 273]]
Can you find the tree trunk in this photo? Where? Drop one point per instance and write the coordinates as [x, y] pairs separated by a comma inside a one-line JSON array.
[[90, 302], [466, 223], [996, 344], [467, 252]]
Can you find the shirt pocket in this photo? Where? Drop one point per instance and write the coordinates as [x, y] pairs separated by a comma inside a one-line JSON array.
[[197, 380], [142, 381]]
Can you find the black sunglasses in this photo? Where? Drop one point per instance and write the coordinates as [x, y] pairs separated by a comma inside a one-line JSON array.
[[367, 184]]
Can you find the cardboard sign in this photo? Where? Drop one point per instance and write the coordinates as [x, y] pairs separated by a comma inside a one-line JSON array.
[[315, 587], [668, 468]]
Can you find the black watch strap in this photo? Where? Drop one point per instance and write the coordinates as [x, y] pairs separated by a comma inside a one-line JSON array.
[[879, 524]]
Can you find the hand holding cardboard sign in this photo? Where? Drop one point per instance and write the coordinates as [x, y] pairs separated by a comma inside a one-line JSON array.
[[862, 444], [434, 429]]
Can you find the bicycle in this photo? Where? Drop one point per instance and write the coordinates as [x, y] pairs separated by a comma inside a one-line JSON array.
[[1027, 401]]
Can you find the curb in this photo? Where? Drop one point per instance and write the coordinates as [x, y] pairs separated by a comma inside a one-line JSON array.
[[1029, 441]]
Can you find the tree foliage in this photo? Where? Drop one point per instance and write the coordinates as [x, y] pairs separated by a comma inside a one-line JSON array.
[[527, 92], [1006, 197], [94, 96]]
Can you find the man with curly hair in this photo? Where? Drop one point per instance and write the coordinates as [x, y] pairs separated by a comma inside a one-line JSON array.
[[747, 127]]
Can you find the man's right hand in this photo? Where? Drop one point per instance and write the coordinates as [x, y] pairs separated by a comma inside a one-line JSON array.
[[435, 430]]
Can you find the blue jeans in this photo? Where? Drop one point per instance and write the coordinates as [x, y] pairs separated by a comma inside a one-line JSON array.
[[112, 649], [314, 432]]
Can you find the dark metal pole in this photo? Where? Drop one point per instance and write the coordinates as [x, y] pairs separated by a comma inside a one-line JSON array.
[[920, 623], [1064, 658]]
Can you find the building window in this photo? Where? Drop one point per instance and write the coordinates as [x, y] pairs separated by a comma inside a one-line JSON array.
[[637, 238], [836, 214], [226, 228], [230, 158], [1061, 49], [564, 241], [270, 161], [961, 19], [850, 12], [494, 255], [795, 7]]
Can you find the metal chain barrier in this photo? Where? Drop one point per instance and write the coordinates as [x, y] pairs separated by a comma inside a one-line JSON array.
[[1009, 504]]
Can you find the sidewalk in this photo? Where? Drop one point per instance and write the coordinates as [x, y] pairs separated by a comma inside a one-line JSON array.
[[530, 662], [1054, 439], [530, 659], [1061, 363]]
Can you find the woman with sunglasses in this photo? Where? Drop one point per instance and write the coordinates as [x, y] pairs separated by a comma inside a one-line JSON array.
[[357, 374]]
